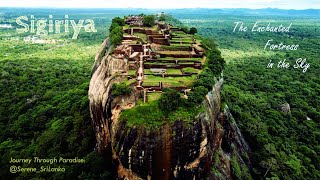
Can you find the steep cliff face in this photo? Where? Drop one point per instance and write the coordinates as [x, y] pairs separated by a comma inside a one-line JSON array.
[[103, 75], [202, 149]]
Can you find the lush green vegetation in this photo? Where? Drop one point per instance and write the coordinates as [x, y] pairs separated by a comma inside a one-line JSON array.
[[168, 71], [170, 100], [116, 31], [142, 36], [193, 30], [171, 58], [169, 106], [44, 108], [196, 96], [121, 89], [285, 146], [189, 70], [149, 20], [150, 116], [118, 20], [214, 61], [173, 71], [176, 47], [162, 17], [170, 81]]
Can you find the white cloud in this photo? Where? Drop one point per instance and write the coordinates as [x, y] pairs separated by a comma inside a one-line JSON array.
[[284, 4]]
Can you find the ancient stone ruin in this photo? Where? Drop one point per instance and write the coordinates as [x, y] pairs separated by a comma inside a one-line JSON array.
[[162, 56]]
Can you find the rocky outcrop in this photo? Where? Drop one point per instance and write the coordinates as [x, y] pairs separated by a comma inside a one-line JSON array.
[[103, 75], [174, 151]]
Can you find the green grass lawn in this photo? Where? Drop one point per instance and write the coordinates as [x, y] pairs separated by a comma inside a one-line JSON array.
[[132, 72], [147, 71], [178, 43], [130, 82], [182, 59], [171, 58], [168, 71], [183, 41], [175, 52], [169, 81], [150, 83], [184, 38], [152, 96], [179, 32], [173, 71], [158, 63], [185, 62], [180, 35], [176, 47], [154, 28], [142, 36], [191, 70]]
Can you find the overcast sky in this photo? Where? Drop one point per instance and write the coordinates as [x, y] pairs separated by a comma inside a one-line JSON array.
[[168, 4]]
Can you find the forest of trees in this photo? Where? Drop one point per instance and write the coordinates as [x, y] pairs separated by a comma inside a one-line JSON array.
[[44, 108], [116, 31], [148, 20], [284, 145]]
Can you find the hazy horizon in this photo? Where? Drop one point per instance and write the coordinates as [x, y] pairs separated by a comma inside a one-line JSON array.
[[165, 4], [151, 8]]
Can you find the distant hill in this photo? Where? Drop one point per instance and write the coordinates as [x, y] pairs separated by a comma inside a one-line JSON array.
[[237, 11], [263, 12]]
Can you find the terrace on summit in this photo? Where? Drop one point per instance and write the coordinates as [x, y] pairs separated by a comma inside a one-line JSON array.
[[158, 57]]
